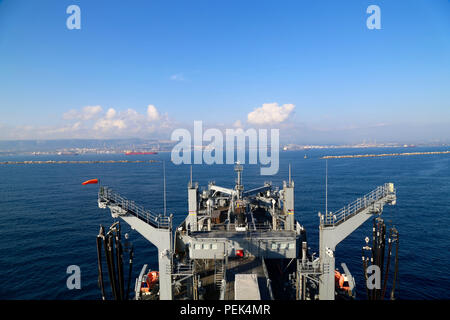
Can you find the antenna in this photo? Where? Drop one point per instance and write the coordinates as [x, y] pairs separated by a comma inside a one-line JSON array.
[[191, 177], [289, 174], [164, 174], [326, 187], [238, 168]]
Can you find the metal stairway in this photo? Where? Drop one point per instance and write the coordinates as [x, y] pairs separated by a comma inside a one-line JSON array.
[[219, 274]]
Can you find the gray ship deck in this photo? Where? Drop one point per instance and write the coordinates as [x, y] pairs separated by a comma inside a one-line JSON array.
[[248, 265]]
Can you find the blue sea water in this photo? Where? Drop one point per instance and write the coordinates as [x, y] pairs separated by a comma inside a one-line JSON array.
[[49, 221]]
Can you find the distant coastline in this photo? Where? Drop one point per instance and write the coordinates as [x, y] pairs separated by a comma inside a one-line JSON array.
[[78, 162], [143, 146], [385, 155]]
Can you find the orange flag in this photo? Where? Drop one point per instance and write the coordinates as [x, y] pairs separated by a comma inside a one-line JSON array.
[[90, 181]]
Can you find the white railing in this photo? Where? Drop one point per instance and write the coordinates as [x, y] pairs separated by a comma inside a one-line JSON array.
[[334, 218], [232, 227], [310, 267], [181, 269], [109, 196]]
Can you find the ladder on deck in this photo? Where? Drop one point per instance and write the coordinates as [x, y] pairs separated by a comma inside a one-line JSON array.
[[219, 274]]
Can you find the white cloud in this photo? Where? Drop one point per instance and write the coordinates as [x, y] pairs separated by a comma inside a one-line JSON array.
[[131, 115], [111, 113], [87, 113], [70, 129], [152, 113], [97, 122], [105, 124], [131, 122], [69, 115], [92, 122], [270, 113], [76, 125], [113, 122], [91, 111]]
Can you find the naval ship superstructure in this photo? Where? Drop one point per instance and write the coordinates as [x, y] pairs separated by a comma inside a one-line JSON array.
[[238, 244]]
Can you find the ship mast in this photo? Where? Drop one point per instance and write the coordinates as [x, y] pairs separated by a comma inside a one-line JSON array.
[[164, 174], [239, 187]]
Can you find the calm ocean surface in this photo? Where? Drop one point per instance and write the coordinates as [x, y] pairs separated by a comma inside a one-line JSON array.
[[49, 221]]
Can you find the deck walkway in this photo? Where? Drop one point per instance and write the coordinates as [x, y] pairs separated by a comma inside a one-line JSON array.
[[246, 265]]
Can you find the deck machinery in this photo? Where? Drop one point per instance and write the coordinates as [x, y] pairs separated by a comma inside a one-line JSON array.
[[243, 244]]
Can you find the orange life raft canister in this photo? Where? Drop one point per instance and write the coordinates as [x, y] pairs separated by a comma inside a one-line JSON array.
[[339, 278], [152, 278]]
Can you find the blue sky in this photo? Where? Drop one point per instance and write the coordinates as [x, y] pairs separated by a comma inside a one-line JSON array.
[[219, 61]]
